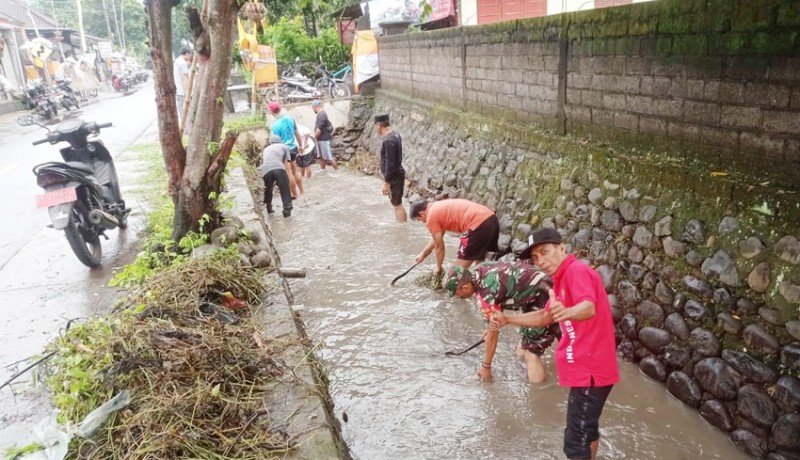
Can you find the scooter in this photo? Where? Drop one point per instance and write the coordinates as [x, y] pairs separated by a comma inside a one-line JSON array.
[[120, 82], [82, 194], [65, 94], [44, 104]]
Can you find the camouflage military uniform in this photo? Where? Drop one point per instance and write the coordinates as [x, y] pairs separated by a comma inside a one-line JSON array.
[[515, 286]]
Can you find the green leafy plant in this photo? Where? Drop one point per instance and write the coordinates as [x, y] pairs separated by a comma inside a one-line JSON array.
[[12, 453], [289, 38]]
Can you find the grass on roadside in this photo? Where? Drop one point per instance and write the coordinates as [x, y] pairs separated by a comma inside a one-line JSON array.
[[239, 123]]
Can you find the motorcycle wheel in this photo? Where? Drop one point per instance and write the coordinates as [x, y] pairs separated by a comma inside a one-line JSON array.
[[322, 86], [340, 90], [90, 253]]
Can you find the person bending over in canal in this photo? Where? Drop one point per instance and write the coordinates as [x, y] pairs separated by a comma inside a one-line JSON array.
[[306, 159], [286, 128], [394, 176], [586, 357], [274, 163], [477, 225], [500, 285]]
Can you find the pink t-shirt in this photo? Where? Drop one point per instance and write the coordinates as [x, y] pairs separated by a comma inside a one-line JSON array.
[[587, 352], [456, 215]]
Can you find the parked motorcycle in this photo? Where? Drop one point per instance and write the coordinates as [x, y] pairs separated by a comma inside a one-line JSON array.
[[121, 82], [43, 101], [141, 76], [295, 87], [65, 94], [82, 194], [328, 84]]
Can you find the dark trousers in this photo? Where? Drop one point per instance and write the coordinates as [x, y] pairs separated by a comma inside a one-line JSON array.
[[280, 177]]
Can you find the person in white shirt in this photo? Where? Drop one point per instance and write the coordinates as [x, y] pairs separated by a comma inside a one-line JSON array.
[[180, 72]]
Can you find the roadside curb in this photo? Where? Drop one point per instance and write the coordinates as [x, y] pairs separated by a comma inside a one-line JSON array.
[[299, 403]]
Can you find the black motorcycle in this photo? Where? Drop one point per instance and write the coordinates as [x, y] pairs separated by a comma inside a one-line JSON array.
[[330, 85], [43, 101], [65, 94], [82, 194]]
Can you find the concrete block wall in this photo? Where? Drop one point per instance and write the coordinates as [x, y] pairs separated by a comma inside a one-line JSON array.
[[723, 74]]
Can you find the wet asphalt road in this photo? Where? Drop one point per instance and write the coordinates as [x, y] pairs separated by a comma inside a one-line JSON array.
[[42, 284]]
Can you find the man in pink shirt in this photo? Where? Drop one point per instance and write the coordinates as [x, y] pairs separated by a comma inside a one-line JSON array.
[[477, 225], [586, 357]]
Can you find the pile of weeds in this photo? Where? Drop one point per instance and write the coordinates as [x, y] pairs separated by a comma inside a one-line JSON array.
[[430, 280], [197, 383]]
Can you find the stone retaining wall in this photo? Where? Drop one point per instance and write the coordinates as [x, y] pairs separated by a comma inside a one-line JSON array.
[[698, 73], [703, 271]]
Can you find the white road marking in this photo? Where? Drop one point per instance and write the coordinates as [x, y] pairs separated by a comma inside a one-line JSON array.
[[8, 168]]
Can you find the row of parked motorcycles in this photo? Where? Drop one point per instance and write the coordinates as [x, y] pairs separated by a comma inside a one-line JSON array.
[[124, 81], [47, 100]]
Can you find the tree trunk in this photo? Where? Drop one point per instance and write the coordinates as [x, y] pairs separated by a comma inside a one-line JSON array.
[[159, 14], [194, 172]]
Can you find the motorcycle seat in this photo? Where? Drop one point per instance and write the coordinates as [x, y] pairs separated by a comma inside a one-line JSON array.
[[80, 166]]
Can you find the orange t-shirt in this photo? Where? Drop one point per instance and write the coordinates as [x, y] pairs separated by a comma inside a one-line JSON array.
[[456, 215]]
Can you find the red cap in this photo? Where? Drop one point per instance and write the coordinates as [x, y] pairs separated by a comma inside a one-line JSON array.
[[274, 107]]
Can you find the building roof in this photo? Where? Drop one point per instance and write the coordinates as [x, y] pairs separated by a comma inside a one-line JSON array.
[[17, 11], [349, 12], [7, 20]]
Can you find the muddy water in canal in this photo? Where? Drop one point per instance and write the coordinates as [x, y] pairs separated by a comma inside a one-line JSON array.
[[384, 346]]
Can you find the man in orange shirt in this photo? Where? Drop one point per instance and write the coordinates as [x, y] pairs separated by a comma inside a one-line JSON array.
[[477, 225]]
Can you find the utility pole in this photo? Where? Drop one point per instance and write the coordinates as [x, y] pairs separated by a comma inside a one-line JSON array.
[[80, 27], [109, 34], [122, 20], [116, 23]]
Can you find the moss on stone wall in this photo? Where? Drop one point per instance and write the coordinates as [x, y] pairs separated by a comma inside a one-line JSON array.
[[662, 17]]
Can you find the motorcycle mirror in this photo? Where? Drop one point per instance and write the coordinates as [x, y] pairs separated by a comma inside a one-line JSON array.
[[25, 120]]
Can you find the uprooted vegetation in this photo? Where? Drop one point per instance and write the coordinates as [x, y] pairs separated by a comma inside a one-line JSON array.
[[197, 382]]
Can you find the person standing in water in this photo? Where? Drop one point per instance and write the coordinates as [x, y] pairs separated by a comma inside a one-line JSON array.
[[394, 176]]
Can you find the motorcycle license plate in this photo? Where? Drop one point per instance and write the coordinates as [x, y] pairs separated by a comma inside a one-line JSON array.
[[64, 195]]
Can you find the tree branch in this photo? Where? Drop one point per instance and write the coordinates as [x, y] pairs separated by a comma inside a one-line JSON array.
[[217, 166], [202, 44]]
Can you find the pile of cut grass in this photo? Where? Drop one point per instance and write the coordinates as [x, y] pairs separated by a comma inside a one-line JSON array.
[[197, 384]]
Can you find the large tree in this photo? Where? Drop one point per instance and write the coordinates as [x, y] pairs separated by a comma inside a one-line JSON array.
[[196, 169]]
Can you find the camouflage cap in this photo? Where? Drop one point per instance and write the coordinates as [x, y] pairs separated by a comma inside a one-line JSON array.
[[454, 276]]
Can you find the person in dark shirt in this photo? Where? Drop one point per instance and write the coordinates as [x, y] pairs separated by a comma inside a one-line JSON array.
[[394, 176], [323, 133]]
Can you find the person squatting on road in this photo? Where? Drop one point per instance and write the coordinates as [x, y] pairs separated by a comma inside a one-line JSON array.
[[306, 159], [286, 128], [323, 133], [506, 285], [394, 176], [586, 358], [477, 225], [274, 162]]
